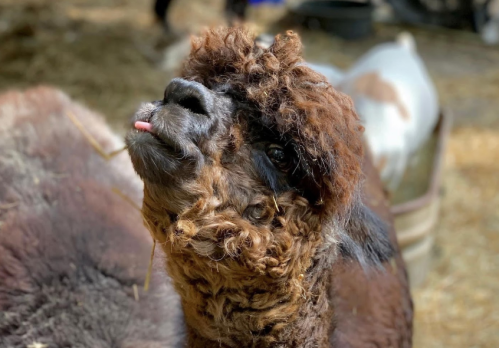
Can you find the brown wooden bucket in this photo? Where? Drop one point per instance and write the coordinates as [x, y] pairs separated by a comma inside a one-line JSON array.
[[415, 205]]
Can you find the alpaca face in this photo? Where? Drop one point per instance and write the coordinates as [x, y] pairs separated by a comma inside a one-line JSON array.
[[183, 133], [176, 141]]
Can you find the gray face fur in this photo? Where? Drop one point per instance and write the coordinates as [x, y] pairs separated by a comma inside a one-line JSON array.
[[185, 125]]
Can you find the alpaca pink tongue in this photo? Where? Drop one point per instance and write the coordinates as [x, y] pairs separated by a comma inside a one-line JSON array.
[[145, 126]]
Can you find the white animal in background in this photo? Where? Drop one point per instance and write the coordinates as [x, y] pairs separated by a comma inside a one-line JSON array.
[[396, 99]]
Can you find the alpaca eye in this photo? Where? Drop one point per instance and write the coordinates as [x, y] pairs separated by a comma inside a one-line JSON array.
[[278, 156]]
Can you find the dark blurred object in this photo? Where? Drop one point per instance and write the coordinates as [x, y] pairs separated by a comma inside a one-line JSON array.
[[161, 10], [235, 10], [458, 14], [273, 2], [347, 19]]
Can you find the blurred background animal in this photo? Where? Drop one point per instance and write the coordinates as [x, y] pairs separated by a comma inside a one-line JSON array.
[[73, 250], [396, 101]]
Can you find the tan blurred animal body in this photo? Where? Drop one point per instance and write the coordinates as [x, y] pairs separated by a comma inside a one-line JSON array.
[[72, 250]]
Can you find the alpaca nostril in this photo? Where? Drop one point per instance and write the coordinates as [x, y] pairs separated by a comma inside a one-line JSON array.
[[193, 105], [189, 95]]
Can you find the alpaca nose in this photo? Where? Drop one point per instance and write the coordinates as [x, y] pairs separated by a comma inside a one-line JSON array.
[[190, 95]]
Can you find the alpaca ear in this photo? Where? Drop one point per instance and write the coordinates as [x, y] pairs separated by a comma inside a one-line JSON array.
[[366, 238]]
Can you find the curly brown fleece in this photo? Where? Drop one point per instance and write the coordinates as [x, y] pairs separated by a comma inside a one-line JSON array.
[[249, 265]]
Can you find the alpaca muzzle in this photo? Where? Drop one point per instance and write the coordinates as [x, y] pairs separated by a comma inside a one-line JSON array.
[[168, 136]]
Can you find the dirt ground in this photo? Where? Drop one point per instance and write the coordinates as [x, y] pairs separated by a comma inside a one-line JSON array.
[[105, 54]]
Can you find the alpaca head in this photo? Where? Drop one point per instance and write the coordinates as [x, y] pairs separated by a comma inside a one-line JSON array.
[[251, 165]]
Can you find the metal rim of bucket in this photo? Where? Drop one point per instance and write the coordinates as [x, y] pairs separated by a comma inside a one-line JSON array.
[[443, 126], [413, 234], [419, 250]]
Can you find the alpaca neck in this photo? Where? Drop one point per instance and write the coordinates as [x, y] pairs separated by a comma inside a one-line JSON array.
[[305, 321]]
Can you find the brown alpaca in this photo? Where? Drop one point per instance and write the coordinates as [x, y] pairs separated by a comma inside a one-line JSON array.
[[71, 248], [252, 170]]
